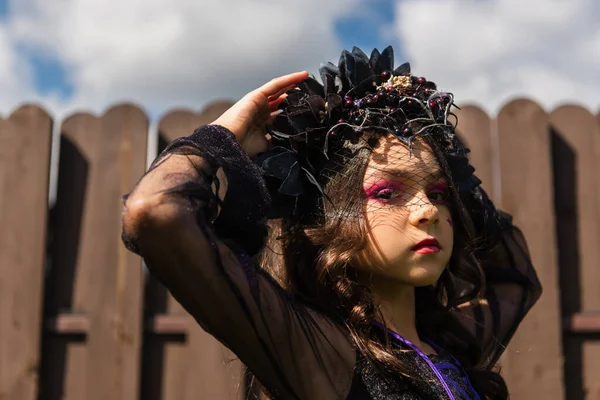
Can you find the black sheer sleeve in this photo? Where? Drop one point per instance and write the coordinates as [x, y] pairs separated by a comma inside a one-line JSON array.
[[512, 286], [205, 262]]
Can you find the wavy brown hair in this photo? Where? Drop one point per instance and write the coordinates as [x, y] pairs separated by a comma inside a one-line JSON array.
[[312, 258]]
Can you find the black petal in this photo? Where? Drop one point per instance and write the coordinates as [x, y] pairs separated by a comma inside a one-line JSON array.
[[328, 83], [312, 87], [281, 124], [292, 185], [301, 117], [404, 69], [334, 104], [346, 66], [363, 73], [386, 60], [339, 84], [295, 97], [316, 104], [315, 136], [329, 68], [430, 85], [277, 162], [374, 61]]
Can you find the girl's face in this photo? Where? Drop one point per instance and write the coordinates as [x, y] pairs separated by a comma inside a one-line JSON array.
[[409, 223]]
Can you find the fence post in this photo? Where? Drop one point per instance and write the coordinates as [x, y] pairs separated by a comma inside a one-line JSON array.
[[93, 295], [576, 138], [95, 286], [25, 140], [533, 361], [475, 129]]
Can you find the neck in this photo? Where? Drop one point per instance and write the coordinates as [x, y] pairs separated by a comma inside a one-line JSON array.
[[397, 305]]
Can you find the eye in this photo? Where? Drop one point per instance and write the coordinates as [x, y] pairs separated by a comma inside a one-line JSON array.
[[386, 194], [439, 193], [384, 191]]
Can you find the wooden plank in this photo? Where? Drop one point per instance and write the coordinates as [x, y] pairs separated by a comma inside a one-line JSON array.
[[178, 123], [170, 324], [575, 135], [94, 275], [532, 366], [132, 125], [63, 372], [475, 129], [588, 322], [211, 369], [171, 355], [25, 140], [68, 324], [74, 324], [576, 132], [199, 367], [591, 347]]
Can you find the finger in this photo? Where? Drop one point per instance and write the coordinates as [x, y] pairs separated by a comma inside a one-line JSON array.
[[269, 141], [272, 117], [276, 102], [282, 91], [277, 84]]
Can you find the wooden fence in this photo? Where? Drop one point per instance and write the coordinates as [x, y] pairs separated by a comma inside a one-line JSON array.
[[79, 319]]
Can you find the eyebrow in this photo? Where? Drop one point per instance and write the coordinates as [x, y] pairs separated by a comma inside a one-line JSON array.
[[437, 174]]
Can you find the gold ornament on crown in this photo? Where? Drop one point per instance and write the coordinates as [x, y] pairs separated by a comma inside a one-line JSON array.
[[397, 82]]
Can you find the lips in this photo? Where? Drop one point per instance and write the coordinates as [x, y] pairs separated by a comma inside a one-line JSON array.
[[427, 246]]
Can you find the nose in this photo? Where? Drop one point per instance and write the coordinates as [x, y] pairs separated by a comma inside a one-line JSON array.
[[424, 214]]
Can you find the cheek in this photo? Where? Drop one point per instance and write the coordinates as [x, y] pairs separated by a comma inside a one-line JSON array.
[[384, 217], [447, 227], [387, 231]]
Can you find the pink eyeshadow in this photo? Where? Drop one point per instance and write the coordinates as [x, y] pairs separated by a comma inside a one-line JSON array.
[[373, 189], [439, 186]]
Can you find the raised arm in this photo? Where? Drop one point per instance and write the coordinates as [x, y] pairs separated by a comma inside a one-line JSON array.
[[194, 217]]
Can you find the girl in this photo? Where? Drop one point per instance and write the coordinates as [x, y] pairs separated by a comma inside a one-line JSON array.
[[384, 272]]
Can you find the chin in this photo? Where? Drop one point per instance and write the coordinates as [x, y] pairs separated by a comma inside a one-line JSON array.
[[423, 275]]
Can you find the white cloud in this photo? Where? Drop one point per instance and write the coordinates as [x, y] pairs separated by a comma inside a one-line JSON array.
[[14, 73], [163, 53], [166, 53], [489, 51]]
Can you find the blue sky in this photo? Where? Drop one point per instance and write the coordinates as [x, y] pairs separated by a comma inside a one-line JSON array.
[[362, 29], [88, 54], [51, 76]]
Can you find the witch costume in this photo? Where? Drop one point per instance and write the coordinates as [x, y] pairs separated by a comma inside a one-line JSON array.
[[295, 351]]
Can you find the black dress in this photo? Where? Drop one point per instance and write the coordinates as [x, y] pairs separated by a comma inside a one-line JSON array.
[[293, 350]]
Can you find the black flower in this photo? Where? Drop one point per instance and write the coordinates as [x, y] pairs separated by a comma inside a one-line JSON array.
[[360, 93]]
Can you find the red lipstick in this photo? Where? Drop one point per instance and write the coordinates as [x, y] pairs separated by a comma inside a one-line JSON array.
[[427, 246]]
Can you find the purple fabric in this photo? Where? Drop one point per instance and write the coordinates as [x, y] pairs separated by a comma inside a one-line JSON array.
[[456, 386], [456, 365], [424, 357]]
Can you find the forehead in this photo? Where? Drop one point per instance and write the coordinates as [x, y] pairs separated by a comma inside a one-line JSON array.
[[391, 155]]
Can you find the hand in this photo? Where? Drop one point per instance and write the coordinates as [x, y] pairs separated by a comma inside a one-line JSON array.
[[247, 119]]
